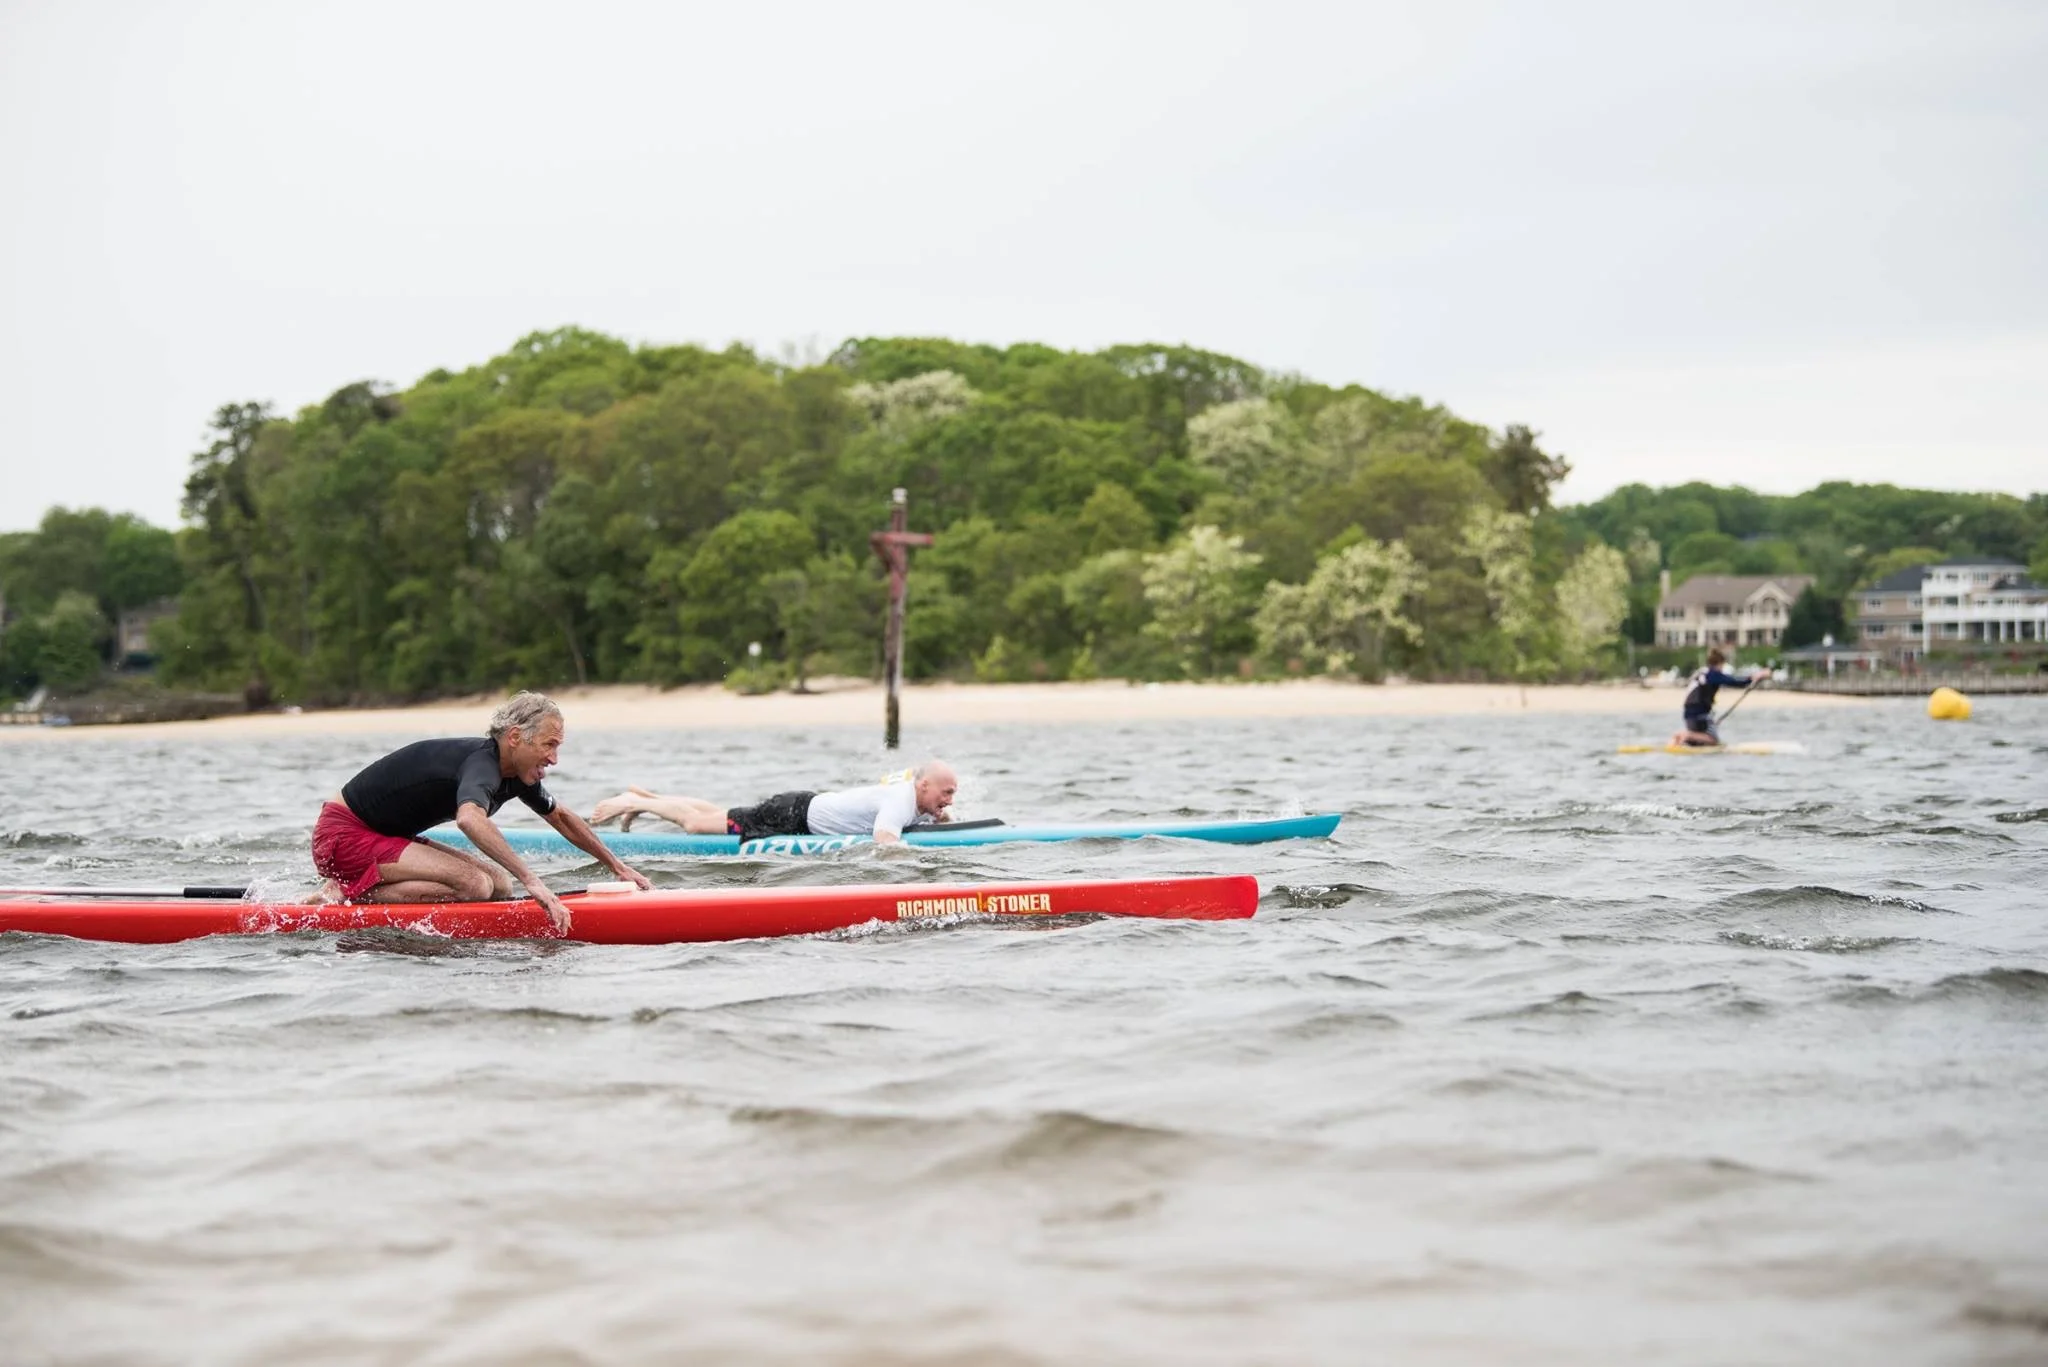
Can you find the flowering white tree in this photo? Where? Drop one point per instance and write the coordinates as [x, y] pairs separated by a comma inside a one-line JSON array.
[[1247, 442], [1343, 616], [1592, 600], [1198, 588], [1645, 557], [1501, 543], [900, 405]]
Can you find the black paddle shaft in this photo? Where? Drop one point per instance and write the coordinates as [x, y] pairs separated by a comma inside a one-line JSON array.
[[1739, 701]]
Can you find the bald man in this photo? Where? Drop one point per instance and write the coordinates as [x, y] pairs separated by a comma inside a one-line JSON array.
[[883, 810]]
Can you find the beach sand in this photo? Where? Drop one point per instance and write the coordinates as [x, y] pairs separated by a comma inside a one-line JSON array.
[[618, 707]]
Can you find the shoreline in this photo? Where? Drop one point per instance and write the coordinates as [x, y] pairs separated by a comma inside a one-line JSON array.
[[622, 707]]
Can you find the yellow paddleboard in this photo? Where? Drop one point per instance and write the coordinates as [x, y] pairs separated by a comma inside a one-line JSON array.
[[1748, 747]]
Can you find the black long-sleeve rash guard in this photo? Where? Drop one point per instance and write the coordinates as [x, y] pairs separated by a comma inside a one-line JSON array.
[[1705, 684], [423, 784]]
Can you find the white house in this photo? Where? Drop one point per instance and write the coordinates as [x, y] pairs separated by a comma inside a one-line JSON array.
[[1981, 603], [1728, 609]]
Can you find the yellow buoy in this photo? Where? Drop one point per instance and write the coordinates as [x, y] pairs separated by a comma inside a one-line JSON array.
[[1945, 704]]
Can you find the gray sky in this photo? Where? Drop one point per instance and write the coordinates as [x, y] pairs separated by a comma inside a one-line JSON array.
[[1724, 242]]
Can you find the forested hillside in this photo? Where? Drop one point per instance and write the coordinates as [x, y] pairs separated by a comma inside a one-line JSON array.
[[579, 509]]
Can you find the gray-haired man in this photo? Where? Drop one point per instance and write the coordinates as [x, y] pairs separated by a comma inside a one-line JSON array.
[[368, 840]]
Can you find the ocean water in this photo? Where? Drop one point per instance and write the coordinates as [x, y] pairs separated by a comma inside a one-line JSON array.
[[1552, 1055]]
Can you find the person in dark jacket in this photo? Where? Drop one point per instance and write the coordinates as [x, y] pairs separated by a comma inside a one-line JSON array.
[[1700, 727]]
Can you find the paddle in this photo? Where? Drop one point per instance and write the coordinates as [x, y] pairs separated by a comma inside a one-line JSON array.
[[1739, 701]]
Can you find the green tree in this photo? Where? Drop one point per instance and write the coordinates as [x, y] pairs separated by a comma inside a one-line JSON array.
[[1105, 598], [65, 554], [1113, 519], [1766, 555], [1405, 495], [139, 565], [72, 640], [221, 500], [20, 644], [1704, 553], [830, 614], [725, 594], [1814, 617], [1343, 616], [1521, 473], [1201, 590]]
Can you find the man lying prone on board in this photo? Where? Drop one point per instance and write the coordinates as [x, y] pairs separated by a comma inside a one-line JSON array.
[[367, 843], [883, 810]]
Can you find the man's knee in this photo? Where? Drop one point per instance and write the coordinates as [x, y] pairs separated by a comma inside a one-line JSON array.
[[475, 884]]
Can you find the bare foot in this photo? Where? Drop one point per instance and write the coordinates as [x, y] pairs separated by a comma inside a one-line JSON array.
[[626, 805], [328, 893]]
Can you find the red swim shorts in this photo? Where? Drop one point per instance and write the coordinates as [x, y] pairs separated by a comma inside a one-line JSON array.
[[349, 852]]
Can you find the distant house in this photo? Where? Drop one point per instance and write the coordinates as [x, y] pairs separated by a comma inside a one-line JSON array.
[[1960, 605], [1982, 604], [1885, 617], [1728, 609]]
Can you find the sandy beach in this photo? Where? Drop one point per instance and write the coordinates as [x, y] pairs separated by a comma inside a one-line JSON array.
[[620, 707]]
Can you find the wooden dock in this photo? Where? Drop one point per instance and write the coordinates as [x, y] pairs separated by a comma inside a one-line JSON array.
[[1918, 685]]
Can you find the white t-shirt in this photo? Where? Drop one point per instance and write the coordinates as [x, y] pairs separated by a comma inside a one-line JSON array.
[[883, 807]]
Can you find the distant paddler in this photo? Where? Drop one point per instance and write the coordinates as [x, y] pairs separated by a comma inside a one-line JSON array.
[[921, 797], [1700, 727], [367, 841]]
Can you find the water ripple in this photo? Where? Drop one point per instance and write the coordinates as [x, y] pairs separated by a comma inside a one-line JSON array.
[[1545, 1057]]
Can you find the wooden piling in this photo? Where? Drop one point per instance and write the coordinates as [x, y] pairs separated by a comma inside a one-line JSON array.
[[893, 546]]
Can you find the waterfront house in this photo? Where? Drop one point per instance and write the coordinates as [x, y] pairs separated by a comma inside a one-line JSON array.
[[1728, 609], [1981, 606], [1885, 617]]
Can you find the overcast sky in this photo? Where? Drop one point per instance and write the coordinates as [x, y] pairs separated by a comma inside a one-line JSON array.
[[1720, 242]]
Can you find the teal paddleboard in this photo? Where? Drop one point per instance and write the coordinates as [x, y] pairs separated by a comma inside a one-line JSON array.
[[527, 840]]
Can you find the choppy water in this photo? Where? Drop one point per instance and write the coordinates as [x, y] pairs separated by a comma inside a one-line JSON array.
[[1553, 1055]]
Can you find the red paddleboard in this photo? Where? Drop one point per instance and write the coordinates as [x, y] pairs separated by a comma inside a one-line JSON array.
[[664, 916]]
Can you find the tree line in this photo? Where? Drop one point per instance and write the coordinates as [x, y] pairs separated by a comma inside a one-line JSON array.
[[1845, 535], [582, 510]]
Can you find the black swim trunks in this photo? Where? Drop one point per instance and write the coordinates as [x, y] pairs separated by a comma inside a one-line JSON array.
[[783, 814]]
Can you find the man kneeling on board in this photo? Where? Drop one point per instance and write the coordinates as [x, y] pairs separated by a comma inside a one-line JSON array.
[[1700, 727], [368, 842], [883, 810]]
